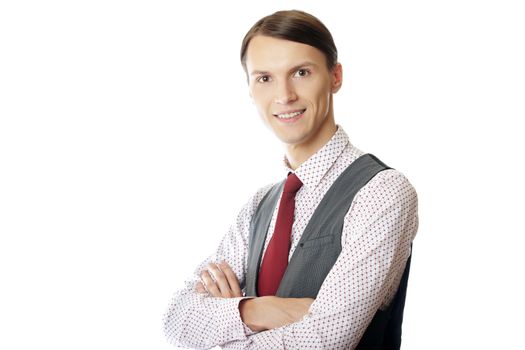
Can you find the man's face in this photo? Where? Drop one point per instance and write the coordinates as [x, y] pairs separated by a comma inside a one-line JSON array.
[[292, 89]]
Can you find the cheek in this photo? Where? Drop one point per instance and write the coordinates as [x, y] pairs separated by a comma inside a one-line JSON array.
[[261, 98], [324, 93], [315, 92], [322, 103]]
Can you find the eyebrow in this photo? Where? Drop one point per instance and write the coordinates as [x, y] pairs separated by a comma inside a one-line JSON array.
[[294, 68]]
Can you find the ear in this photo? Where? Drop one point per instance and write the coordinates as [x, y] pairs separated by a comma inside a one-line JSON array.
[[337, 77]]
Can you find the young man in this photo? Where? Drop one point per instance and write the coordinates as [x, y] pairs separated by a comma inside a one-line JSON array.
[[316, 260]]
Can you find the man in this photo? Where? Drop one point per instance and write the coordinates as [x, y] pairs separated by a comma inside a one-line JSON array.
[[317, 260]]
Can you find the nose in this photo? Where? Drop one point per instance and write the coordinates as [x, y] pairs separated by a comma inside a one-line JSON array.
[[285, 93]]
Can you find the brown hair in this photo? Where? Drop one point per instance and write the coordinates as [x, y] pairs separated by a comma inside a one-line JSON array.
[[294, 25]]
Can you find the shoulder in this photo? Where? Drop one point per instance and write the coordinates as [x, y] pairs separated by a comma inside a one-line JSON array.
[[261, 192], [256, 198], [392, 181], [388, 188], [388, 203]]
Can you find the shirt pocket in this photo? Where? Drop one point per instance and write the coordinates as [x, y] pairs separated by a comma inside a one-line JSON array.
[[317, 242]]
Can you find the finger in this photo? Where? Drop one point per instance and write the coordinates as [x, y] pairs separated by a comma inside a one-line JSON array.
[[232, 279], [210, 285], [199, 287], [221, 280]]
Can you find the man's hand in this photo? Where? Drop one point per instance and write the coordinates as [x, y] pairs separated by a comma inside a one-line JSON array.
[[219, 280], [271, 312], [260, 314]]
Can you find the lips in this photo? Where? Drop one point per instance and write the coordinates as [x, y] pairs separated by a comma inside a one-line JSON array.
[[289, 115]]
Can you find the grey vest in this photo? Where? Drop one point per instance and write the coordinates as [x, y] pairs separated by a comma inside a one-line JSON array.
[[320, 243]]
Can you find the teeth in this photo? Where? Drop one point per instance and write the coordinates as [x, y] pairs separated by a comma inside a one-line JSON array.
[[289, 115]]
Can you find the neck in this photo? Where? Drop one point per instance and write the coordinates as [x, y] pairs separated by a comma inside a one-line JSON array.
[[297, 154]]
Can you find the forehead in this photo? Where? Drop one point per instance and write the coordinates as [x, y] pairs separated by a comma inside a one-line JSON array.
[[272, 54]]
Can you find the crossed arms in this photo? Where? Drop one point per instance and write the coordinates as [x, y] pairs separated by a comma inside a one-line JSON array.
[[375, 247], [259, 314]]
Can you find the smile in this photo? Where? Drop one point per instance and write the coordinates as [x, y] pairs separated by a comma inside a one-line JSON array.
[[290, 115]]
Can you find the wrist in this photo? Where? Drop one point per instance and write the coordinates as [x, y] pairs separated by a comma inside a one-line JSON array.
[[250, 311]]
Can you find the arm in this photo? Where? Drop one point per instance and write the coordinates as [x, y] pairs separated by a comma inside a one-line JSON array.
[[259, 314], [378, 230], [198, 320], [270, 312]]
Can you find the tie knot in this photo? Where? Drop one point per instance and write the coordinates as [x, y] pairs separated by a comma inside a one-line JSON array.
[[293, 184]]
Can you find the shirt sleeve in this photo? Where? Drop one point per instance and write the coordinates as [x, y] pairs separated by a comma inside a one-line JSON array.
[[376, 239], [200, 321]]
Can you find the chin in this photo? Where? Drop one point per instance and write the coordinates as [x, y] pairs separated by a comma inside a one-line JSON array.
[[291, 140]]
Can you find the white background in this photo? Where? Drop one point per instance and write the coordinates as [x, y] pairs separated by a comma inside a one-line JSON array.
[[122, 122]]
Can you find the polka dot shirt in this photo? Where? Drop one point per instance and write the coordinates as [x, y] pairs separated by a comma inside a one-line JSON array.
[[377, 233]]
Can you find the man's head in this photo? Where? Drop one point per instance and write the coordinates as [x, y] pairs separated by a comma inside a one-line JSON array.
[[290, 60]]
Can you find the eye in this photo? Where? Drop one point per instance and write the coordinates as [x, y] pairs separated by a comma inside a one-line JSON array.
[[302, 72], [263, 79]]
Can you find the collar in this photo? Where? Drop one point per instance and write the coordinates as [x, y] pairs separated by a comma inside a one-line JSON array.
[[315, 168]]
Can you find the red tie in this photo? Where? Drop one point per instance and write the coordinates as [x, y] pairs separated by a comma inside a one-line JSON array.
[[275, 259]]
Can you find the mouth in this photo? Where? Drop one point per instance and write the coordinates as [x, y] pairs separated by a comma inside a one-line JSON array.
[[290, 116]]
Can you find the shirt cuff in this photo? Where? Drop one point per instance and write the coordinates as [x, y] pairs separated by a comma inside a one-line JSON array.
[[232, 322]]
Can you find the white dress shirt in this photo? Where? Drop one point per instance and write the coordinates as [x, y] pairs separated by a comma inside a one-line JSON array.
[[377, 233]]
